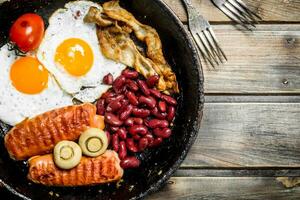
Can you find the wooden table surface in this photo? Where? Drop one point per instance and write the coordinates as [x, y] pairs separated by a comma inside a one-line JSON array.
[[248, 146]]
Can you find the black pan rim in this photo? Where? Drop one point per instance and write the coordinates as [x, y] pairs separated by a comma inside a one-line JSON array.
[[196, 123]]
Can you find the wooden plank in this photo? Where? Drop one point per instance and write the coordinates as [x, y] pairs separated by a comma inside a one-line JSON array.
[[252, 98], [225, 188], [265, 61], [247, 135], [269, 10], [241, 172]]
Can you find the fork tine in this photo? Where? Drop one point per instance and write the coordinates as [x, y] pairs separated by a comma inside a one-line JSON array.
[[202, 50], [206, 45], [242, 11], [212, 45], [208, 59], [210, 30], [237, 13], [233, 17], [247, 9]]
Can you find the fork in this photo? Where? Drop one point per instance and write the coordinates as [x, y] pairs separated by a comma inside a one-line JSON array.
[[204, 36], [238, 11]]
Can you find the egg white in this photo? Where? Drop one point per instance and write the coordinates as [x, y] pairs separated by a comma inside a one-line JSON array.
[[68, 23], [16, 106]]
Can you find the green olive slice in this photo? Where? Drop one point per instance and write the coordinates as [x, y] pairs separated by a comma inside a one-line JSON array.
[[67, 154], [93, 142]]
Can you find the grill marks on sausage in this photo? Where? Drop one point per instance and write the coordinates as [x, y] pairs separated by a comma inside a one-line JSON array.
[[39, 135], [90, 171]]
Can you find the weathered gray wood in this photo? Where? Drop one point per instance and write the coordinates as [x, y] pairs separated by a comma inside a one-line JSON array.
[[226, 188], [269, 10], [240, 172], [265, 61], [247, 135], [252, 98]]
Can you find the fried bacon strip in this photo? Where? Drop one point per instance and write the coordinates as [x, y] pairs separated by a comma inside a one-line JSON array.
[[143, 32], [112, 47], [90, 171], [117, 45], [96, 14], [38, 135]]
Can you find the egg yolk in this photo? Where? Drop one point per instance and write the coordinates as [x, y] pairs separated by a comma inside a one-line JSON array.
[[28, 75], [75, 56]]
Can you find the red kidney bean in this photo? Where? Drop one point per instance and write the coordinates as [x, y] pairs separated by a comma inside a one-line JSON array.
[[136, 137], [122, 150], [163, 133], [114, 128], [114, 98], [124, 102], [118, 84], [146, 122], [156, 123], [148, 101], [113, 106], [131, 146], [155, 112], [132, 98], [108, 79], [156, 142], [143, 87], [143, 143], [126, 112], [100, 107], [155, 93], [152, 80], [150, 138], [108, 94], [140, 112], [171, 113], [162, 106], [168, 99], [129, 122], [122, 133], [138, 121], [115, 142], [108, 137], [133, 120], [130, 162], [131, 74], [132, 85], [138, 129], [112, 119]]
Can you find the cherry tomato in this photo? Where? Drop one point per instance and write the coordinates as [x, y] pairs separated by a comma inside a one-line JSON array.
[[27, 32]]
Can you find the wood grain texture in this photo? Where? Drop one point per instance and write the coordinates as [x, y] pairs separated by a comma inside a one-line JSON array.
[[252, 98], [269, 10], [238, 172], [266, 61], [226, 188], [247, 135]]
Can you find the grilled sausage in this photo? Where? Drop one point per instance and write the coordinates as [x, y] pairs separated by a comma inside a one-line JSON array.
[[38, 135], [90, 171]]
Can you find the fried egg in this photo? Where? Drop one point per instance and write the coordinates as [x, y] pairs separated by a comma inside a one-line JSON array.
[[27, 88], [70, 51]]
